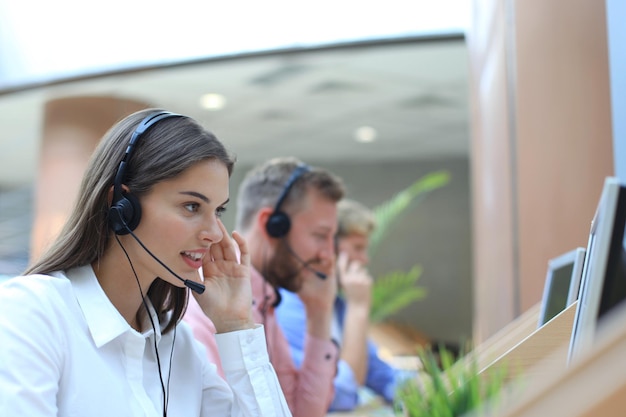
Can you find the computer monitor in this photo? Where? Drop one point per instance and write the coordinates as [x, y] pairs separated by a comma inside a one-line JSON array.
[[603, 283], [562, 284], [577, 275]]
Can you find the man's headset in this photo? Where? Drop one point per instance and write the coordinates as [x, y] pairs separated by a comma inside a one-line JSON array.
[[279, 223], [125, 210]]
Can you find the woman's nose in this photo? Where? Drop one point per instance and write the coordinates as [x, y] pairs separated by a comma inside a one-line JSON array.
[[212, 232]]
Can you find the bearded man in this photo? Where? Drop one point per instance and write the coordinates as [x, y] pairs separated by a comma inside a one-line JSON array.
[[287, 212]]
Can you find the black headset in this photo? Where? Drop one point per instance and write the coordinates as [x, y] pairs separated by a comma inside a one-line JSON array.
[[125, 210], [278, 224]]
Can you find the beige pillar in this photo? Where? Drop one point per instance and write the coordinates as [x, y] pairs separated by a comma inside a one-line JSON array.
[[541, 144], [491, 160], [72, 128], [563, 125]]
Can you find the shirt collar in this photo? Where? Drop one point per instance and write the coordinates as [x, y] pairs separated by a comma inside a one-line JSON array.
[[104, 321]]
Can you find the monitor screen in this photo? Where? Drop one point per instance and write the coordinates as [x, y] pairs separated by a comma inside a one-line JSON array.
[[563, 274], [604, 273]]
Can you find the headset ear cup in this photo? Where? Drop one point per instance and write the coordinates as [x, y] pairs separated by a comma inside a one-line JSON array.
[[125, 214], [278, 224]]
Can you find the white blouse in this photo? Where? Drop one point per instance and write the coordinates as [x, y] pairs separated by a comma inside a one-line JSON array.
[[65, 350]]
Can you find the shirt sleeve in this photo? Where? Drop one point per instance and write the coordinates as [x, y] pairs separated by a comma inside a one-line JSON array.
[[318, 368], [310, 390], [246, 365], [31, 351], [346, 389], [381, 377]]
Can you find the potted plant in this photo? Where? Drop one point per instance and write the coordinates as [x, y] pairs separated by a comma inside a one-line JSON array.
[[446, 387]]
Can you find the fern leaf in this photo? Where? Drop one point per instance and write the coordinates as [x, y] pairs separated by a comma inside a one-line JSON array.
[[387, 213], [450, 388], [394, 291]]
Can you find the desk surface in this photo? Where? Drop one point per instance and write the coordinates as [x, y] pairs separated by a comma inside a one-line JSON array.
[[365, 411]]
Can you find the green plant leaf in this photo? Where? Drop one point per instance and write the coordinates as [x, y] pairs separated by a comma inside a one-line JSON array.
[[449, 387], [388, 212], [397, 289], [394, 291]]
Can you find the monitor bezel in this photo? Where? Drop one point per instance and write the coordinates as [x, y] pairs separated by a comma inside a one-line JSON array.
[[577, 273], [573, 258], [594, 270]]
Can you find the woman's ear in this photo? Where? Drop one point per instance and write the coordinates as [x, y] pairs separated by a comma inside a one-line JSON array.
[[110, 196], [110, 193]]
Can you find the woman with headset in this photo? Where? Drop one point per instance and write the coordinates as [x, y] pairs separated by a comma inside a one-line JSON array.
[[93, 327]]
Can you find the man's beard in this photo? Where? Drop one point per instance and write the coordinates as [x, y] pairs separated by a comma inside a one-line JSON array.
[[283, 270]]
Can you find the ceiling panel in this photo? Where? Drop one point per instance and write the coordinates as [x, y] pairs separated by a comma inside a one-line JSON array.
[[305, 103]]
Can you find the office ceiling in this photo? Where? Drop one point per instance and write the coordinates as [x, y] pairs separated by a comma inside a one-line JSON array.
[[303, 102], [412, 92]]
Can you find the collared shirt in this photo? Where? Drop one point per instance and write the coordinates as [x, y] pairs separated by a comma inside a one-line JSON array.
[[66, 351], [309, 389], [381, 377]]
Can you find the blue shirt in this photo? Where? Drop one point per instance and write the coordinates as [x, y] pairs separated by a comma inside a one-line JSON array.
[[381, 377]]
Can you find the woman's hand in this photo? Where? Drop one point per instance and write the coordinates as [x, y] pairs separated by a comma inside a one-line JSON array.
[[355, 281], [227, 300]]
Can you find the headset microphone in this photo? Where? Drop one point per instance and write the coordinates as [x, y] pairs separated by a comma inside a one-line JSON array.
[[319, 274], [194, 286], [306, 265]]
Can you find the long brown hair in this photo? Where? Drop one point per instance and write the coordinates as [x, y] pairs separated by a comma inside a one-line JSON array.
[[164, 151]]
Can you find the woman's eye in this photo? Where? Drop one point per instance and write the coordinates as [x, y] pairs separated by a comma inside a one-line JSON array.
[[219, 211], [192, 207]]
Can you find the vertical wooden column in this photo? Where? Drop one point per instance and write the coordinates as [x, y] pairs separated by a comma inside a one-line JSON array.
[[541, 144], [72, 127], [563, 124], [491, 169]]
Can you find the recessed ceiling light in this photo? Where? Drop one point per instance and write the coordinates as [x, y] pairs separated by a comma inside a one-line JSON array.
[[365, 134], [212, 101]]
